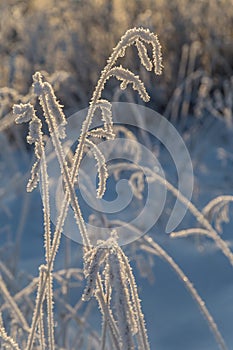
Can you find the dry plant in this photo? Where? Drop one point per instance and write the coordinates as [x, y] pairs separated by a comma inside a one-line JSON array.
[[124, 326], [109, 277]]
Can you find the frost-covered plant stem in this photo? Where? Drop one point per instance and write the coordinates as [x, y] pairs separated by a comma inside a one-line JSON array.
[[107, 315], [38, 306], [26, 112], [46, 211]]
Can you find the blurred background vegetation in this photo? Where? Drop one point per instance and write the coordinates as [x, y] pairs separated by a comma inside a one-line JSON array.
[[70, 41]]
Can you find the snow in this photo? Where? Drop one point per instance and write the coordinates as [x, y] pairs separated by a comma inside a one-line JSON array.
[[172, 317]]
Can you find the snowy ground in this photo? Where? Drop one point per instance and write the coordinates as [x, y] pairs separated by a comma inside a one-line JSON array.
[[172, 317]]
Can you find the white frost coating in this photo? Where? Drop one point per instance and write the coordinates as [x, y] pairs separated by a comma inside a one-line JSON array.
[[102, 168], [34, 135], [91, 272], [24, 113], [143, 54], [129, 77]]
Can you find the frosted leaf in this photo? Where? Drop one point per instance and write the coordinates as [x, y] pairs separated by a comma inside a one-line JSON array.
[[34, 179], [52, 109], [106, 110], [24, 112], [128, 77], [35, 133], [37, 83], [55, 109], [133, 35], [157, 56], [91, 272], [101, 166], [142, 51], [38, 150], [99, 133]]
